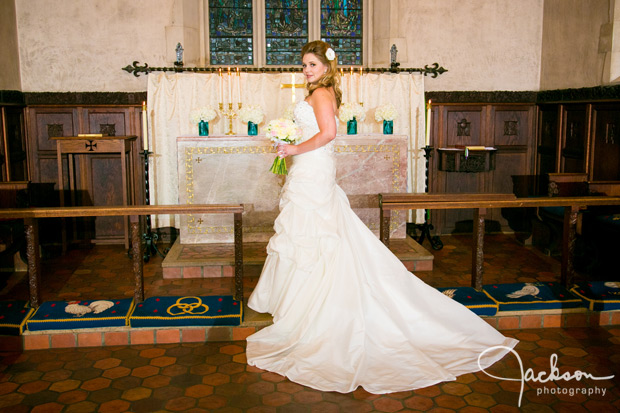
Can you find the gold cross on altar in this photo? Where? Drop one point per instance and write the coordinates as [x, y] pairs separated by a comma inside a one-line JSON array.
[[292, 86]]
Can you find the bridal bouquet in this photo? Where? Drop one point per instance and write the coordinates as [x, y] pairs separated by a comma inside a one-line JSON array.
[[251, 113], [386, 112], [282, 131], [349, 111], [204, 114]]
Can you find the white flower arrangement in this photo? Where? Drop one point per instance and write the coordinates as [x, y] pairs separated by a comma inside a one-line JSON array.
[[251, 113], [289, 112], [283, 131], [348, 111], [205, 113], [386, 112]]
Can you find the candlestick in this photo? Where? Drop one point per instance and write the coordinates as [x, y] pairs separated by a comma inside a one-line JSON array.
[[221, 85], [361, 86], [351, 85], [238, 86], [229, 87], [428, 124], [230, 114], [145, 136], [293, 87]]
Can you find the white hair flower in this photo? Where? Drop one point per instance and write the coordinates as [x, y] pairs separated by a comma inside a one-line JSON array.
[[330, 54]]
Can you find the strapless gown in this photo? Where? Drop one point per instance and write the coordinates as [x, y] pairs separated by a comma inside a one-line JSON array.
[[346, 312]]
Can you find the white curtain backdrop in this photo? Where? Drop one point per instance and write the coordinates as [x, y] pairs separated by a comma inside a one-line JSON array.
[[171, 98]]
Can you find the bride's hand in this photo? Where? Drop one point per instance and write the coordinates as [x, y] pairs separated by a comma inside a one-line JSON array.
[[285, 150]]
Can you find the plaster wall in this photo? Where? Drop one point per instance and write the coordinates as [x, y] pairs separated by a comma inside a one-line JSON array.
[[75, 46], [486, 45], [9, 56], [570, 43]]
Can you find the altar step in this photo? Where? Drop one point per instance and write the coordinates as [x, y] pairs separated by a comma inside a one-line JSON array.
[[253, 321], [217, 260]]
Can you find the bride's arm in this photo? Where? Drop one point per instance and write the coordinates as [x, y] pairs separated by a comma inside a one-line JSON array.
[[322, 103]]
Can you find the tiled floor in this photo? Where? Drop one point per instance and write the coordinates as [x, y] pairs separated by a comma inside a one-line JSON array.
[[213, 377]]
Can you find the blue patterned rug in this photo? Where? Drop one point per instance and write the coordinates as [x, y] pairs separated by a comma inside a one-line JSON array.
[[599, 295], [187, 311], [63, 315], [13, 316], [531, 296], [476, 301]]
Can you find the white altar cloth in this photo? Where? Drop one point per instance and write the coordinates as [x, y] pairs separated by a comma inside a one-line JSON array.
[[172, 96]]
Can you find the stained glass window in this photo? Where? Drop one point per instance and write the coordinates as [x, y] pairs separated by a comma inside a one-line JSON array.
[[230, 32], [341, 26], [286, 30]]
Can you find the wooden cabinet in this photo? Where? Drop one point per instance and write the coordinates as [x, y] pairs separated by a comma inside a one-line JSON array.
[[98, 177], [510, 128]]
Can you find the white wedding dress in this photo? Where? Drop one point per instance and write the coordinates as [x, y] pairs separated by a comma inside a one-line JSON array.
[[346, 312]]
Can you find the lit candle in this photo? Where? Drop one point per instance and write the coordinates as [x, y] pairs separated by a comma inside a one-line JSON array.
[[221, 85], [238, 86], [361, 85], [428, 124], [342, 79], [229, 86], [293, 87], [145, 135], [351, 85]]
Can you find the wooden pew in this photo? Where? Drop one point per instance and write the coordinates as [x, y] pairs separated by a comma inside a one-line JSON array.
[[31, 216], [480, 203]]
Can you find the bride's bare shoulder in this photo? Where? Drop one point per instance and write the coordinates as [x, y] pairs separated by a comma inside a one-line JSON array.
[[322, 96]]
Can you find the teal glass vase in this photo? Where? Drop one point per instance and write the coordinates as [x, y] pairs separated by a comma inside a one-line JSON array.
[[388, 127], [252, 129], [352, 127], [203, 128]]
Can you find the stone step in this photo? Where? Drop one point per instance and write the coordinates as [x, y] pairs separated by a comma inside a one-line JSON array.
[[217, 259]]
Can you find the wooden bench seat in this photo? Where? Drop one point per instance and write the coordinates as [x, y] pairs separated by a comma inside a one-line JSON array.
[[31, 216], [480, 203]]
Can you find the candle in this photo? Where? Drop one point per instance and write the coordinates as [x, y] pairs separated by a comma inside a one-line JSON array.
[[221, 85], [361, 85], [293, 87], [351, 85], [342, 80], [428, 124], [145, 136], [229, 87], [238, 86]]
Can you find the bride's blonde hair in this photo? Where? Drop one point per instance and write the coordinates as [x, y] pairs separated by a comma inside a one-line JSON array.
[[331, 78]]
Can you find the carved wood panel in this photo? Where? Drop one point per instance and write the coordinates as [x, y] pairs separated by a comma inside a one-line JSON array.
[[464, 126], [509, 128], [574, 138], [605, 163]]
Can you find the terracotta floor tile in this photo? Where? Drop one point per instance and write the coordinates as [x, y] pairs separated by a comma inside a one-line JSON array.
[[214, 376]]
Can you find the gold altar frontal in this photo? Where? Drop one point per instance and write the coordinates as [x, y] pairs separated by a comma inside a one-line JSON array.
[[217, 259]]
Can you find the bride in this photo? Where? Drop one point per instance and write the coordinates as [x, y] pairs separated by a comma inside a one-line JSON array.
[[346, 312]]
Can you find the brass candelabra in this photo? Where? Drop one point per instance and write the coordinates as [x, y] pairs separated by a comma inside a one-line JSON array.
[[230, 114]]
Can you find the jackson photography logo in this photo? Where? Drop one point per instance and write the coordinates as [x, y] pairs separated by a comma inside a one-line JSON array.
[[544, 377]]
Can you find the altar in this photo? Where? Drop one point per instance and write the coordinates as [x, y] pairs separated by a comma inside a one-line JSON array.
[[235, 169]]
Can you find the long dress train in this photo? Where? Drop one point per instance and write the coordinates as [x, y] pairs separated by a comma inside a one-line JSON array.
[[346, 312]]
